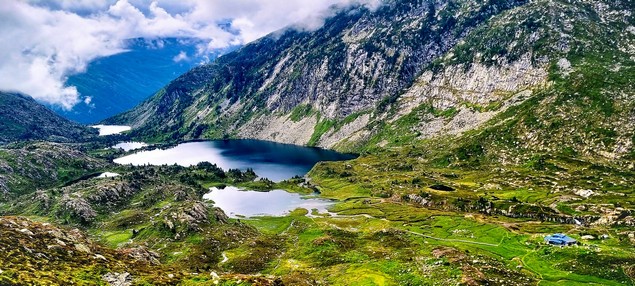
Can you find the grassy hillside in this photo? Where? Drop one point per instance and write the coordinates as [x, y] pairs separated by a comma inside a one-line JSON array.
[[517, 127], [27, 167]]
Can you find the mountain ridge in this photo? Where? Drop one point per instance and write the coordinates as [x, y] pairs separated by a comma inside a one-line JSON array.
[[270, 75], [25, 119], [506, 52]]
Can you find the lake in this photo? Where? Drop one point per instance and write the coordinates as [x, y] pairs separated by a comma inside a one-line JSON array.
[[274, 161], [108, 175], [105, 130], [238, 203], [128, 146]]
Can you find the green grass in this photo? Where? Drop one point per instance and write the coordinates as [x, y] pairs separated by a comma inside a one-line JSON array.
[[349, 256], [116, 238], [323, 126], [300, 112]]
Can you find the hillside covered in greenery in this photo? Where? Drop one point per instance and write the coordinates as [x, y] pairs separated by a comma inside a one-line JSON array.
[[482, 127]]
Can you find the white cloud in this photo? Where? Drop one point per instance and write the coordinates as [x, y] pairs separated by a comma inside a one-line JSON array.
[[41, 47], [43, 42], [182, 56]]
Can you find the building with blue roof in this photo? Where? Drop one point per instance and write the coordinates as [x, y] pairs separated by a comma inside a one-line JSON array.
[[560, 239]]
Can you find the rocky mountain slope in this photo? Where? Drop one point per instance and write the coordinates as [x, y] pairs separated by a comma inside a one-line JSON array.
[[295, 86], [560, 83], [47, 254], [27, 167], [414, 70], [22, 118]]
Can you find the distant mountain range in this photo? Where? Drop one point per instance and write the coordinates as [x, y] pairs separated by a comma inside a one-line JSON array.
[[119, 82], [22, 118]]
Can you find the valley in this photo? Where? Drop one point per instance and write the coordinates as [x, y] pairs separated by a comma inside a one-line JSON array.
[[394, 221], [457, 136]]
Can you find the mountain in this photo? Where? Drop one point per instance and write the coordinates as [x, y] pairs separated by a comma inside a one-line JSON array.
[[295, 86], [413, 70], [120, 82], [22, 118], [482, 126]]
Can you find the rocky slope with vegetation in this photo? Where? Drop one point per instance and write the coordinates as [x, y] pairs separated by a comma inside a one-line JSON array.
[[22, 118], [483, 126], [310, 83], [416, 70], [29, 166]]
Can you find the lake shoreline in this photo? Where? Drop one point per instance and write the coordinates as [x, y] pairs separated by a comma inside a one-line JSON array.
[[271, 160]]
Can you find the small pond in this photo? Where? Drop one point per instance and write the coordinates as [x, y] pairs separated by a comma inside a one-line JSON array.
[[108, 175], [105, 130], [238, 203], [127, 146]]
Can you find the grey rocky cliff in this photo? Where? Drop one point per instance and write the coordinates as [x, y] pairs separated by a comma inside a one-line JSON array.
[[420, 69], [347, 67]]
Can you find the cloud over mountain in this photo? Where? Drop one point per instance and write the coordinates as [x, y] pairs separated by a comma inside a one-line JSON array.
[[45, 41]]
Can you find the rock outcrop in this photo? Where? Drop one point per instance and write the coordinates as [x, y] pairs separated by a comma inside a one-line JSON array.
[[188, 217], [77, 208], [41, 253]]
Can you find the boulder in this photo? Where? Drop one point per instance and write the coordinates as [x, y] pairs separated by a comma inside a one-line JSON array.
[[118, 279]]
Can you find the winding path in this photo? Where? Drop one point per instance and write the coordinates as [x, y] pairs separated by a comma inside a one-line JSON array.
[[453, 240]]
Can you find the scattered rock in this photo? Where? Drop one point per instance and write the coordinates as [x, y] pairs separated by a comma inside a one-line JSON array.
[[58, 241], [27, 232], [54, 247], [82, 248], [118, 279], [584, 193], [565, 66]]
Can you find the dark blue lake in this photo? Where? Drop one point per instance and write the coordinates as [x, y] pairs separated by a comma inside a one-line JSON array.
[[274, 161]]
